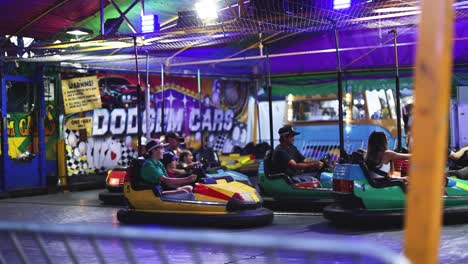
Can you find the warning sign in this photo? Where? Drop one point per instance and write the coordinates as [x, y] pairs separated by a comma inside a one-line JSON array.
[[81, 94], [79, 123]]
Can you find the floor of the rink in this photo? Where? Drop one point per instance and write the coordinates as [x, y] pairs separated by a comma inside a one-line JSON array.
[[84, 207]]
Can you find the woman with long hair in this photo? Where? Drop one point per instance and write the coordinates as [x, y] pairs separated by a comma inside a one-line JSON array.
[[378, 156]]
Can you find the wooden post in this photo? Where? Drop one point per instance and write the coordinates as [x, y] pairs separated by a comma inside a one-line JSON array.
[[430, 125]]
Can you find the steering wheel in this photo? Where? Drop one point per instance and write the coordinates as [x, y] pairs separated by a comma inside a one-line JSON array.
[[327, 164]]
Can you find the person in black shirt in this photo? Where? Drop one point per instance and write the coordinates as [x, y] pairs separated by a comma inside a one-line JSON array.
[[458, 163], [287, 158]]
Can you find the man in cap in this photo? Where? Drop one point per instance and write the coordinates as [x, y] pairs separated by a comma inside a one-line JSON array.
[[174, 140], [287, 158], [153, 171]]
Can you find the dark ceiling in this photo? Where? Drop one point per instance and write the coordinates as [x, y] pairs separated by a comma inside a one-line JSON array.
[[299, 35]]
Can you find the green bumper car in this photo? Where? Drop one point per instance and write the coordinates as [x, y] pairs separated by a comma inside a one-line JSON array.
[[281, 188], [363, 200]]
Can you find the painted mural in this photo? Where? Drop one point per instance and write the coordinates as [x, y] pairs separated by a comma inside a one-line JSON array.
[[22, 134], [218, 116]]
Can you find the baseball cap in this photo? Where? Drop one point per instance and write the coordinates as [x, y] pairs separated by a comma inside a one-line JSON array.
[[174, 135], [168, 158], [287, 130]]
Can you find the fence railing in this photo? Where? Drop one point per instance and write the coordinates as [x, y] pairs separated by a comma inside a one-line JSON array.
[[39, 243]]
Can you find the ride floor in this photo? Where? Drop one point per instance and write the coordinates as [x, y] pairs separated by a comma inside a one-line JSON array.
[[84, 207]]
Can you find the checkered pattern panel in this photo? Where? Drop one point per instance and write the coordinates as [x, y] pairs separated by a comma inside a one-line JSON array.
[[219, 142], [127, 155]]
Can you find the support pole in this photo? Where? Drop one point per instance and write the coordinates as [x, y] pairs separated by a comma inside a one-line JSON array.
[[343, 155], [397, 90], [138, 97], [39, 79], [270, 97], [430, 130], [147, 100], [101, 13]]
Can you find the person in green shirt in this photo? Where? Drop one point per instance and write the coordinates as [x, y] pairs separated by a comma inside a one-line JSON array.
[[153, 171]]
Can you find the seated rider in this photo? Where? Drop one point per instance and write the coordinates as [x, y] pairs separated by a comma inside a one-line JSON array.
[[169, 161], [458, 163], [153, 171], [378, 157], [174, 140], [186, 161], [287, 158]]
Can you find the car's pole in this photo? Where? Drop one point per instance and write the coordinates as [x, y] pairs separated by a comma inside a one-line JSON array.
[[147, 99], [200, 106], [270, 97], [162, 98], [343, 156], [138, 95], [397, 90]]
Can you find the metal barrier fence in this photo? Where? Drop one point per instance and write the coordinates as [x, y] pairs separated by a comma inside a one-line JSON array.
[[39, 243], [316, 149]]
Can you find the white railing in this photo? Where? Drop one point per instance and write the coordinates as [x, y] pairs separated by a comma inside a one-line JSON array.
[[40, 243]]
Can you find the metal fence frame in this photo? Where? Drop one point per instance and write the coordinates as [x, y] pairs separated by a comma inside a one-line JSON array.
[[25, 236]]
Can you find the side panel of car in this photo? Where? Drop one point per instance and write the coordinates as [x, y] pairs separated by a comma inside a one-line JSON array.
[[379, 198]]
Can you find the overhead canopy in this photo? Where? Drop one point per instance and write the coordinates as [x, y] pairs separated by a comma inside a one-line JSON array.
[[298, 33]]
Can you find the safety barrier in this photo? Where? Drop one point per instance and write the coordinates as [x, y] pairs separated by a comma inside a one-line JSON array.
[[39, 243], [315, 149]]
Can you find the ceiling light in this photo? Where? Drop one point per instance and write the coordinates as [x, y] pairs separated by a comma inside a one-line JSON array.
[[396, 9], [149, 23], [206, 10], [341, 4], [79, 31]]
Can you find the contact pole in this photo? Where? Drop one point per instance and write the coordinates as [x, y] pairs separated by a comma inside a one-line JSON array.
[[270, 97], [397, 90], [147, 99], [162, 98], [199, 106], [138, 96], [343, 156]]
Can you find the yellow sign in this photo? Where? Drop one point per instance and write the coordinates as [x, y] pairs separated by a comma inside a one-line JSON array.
[[79, 123], [81, 94]]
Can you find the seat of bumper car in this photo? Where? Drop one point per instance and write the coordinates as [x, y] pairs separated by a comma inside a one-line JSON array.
[[137, 182], [358, 157], [302, 178], [267, 164]]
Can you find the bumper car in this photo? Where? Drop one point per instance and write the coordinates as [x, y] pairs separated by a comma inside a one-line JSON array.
[[282, 188], [215, 202], [114, 186], [361, 199], [115, 180], [244, 164], [214, 168]]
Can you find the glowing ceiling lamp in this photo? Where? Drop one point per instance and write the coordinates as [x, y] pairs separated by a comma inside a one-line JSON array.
[[206, 10], [341, 4], [79, 31], [149, 23]]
